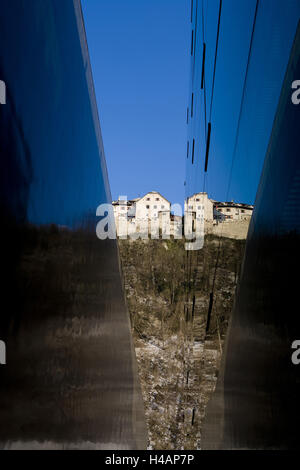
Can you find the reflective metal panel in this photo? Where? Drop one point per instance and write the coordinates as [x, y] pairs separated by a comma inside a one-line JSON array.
[[256, 405], [70, 376]]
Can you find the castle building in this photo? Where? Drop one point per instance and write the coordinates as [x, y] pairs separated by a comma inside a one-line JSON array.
[[147, 214], [150, 206], [200, 206], [152, 214], [232, 211]]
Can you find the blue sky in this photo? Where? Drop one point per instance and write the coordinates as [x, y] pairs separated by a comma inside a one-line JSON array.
[[140, 58], [140, 63]]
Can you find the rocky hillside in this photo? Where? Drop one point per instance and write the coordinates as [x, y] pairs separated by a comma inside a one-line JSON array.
[[178, 342]]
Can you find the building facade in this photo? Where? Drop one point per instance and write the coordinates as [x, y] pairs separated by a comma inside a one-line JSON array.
[[257, 395], [149, 214], [152, 215], [200, 206], [230, 211]]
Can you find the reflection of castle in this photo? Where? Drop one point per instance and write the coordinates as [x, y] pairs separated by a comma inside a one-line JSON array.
[[154, 211], [232, 211]]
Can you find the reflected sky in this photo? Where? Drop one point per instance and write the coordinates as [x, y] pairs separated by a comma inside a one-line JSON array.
[[274, 34], [50, 102]]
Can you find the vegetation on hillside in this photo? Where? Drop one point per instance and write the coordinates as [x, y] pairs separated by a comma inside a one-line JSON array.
[[168, 293]]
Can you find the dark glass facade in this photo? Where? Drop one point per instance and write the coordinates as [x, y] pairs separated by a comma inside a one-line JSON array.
[[256, 404], [215, 92], [70, 377]]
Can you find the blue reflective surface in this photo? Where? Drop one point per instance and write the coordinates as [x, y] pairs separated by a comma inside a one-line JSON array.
[[70, 380], [257, 397], [49, 112], [275, 29], [256, 404]]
